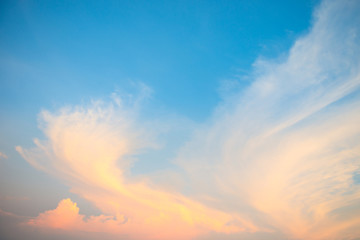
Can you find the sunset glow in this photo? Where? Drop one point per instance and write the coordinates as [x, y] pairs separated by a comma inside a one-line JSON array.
[[180, 120]]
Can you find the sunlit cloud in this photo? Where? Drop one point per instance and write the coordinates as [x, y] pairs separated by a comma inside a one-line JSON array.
[[66, 216], [91, 149], [281, 156], [286, 150]]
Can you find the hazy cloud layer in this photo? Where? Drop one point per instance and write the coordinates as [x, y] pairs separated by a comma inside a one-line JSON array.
[[278, 160]]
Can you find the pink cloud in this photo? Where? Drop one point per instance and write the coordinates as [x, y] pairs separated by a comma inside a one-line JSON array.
[[66, 216]]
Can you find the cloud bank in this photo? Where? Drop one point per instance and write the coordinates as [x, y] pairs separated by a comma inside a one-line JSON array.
[[281, 157]]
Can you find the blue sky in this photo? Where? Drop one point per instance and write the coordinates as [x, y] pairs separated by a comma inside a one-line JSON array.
[[234, 110], [63, 52], [59, 53]]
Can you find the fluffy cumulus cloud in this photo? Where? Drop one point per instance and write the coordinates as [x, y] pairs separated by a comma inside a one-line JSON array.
[[66, 216], [279, 160]]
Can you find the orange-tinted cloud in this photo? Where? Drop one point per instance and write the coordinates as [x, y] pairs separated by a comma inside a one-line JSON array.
[[66, 216], [88, 149]]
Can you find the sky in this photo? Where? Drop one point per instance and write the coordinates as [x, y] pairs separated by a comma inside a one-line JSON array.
[[184, 120]]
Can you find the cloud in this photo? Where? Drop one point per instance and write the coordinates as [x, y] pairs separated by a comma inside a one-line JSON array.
[[3, 155], [5, 213], [66, 216], [22, 227], [279, 159], [286, 150], [92, 149]]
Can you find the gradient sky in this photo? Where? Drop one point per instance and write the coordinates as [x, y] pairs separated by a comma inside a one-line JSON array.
[[204, 120]]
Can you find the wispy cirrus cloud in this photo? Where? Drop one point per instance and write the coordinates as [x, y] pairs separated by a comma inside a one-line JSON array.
[[285, 150], [278, 158]]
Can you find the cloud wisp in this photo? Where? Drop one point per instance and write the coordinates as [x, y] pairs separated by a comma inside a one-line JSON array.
[[3, 155], [285, 151], [90, 149], [280, 157]]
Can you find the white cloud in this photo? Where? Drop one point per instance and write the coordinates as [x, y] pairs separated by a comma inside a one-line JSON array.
[[285, 150]]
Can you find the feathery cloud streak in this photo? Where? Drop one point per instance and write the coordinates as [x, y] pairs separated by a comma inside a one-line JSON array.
[[286, 149]]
